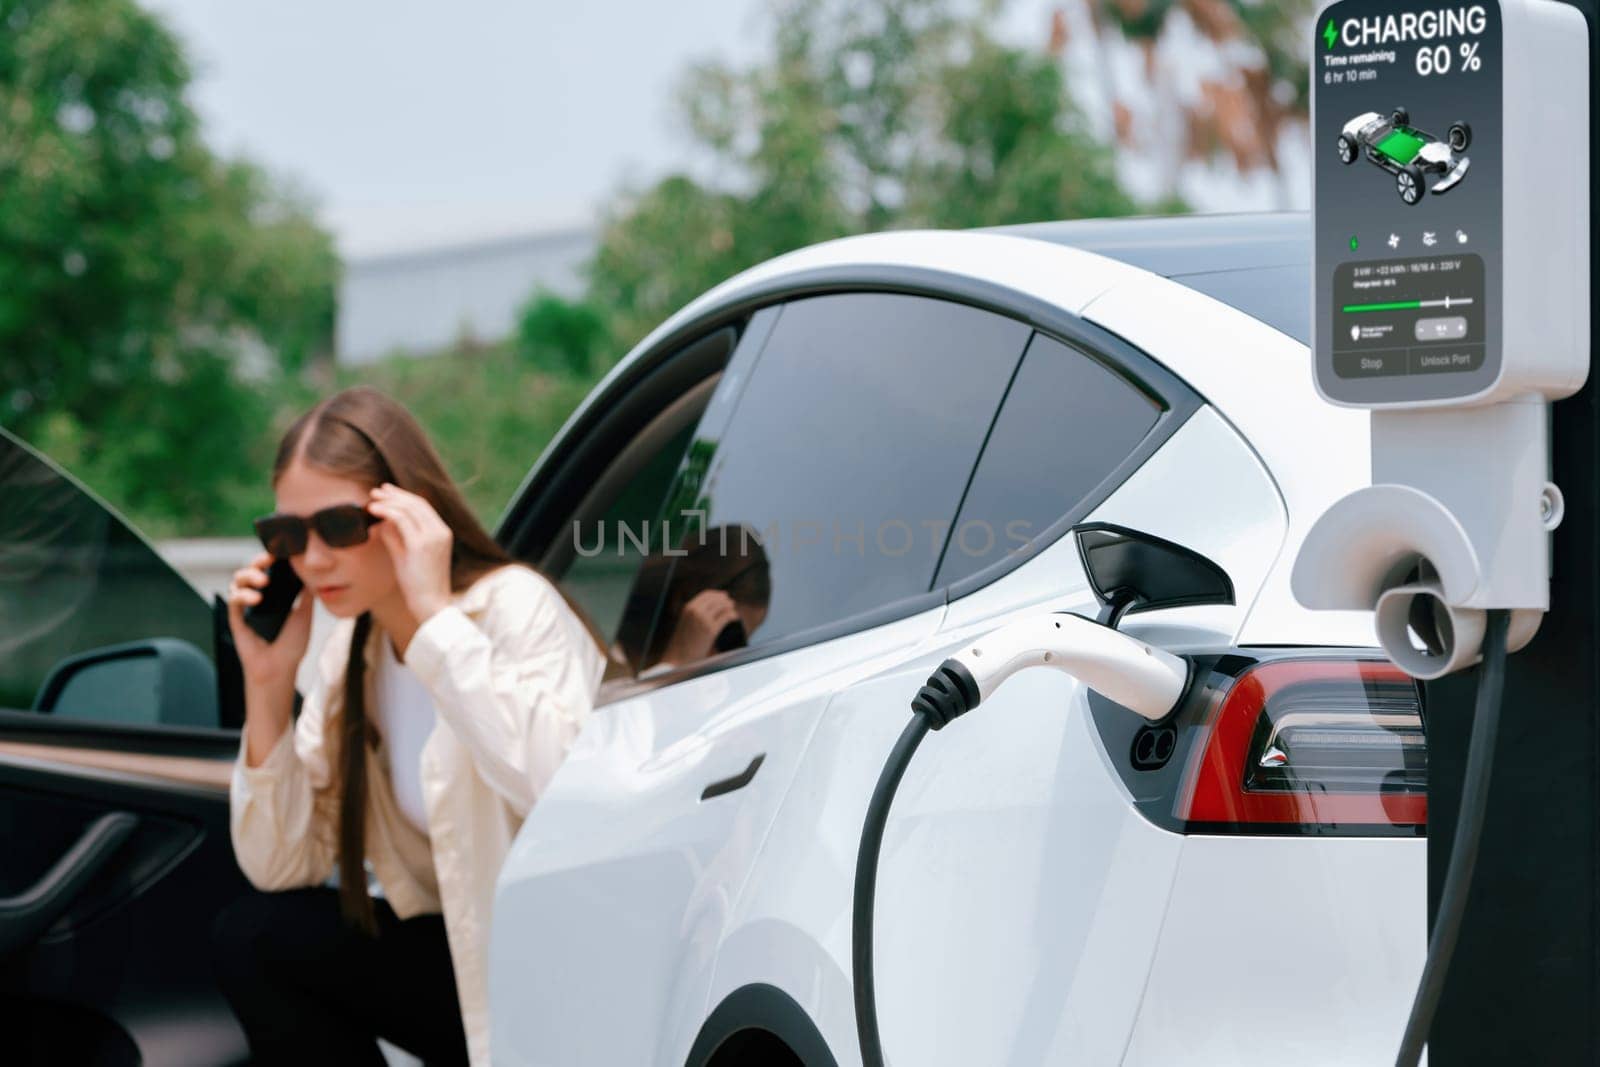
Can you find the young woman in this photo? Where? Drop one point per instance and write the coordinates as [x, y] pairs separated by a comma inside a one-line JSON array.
[[445, 697]]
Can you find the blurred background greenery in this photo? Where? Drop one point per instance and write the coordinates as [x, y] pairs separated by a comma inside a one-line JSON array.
[[166, 312]]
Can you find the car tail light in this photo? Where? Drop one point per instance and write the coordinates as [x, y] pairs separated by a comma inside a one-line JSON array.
[[1314, 744]]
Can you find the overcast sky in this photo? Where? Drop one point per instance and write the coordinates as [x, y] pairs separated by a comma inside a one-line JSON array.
[[418, 124], [414, 124]]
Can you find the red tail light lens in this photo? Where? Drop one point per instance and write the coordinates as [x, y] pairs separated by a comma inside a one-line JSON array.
[[1311, 743]]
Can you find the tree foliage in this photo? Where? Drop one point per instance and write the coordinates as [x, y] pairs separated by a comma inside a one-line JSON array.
[[560, 335], [1255, 83], [868, 116], [141, 277]]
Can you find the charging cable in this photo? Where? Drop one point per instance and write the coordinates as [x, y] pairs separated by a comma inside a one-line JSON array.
[[1147, 680], [866, 888], [1464, 849]]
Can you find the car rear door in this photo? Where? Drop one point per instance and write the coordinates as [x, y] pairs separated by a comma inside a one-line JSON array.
[[834, 443], [115, 755], [1019, 893]]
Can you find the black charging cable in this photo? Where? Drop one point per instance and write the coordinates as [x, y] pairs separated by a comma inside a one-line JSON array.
[[866, 888], [1464, 849], [950, 693]]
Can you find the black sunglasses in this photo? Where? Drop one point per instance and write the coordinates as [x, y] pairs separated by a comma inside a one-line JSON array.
[[340, 526]]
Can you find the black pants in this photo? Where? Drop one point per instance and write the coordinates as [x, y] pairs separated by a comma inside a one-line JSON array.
[[309, 988]]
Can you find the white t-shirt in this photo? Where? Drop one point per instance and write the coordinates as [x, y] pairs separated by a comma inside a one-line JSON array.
[[405, 718]]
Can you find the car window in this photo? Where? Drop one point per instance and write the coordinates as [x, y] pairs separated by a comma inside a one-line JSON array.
[[828, 489], [74, 578], [1067, 422], [608, 550], [603, 539]]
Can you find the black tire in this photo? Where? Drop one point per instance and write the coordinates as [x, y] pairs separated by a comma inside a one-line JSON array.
[[1347, 150], [1400, 117], [1408, 182], [1460, 137]]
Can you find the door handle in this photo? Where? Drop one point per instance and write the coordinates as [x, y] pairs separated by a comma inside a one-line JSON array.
[[28, 914], [738, 781]]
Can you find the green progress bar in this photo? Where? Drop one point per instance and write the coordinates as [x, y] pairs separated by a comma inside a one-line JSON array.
[[1398, 305]]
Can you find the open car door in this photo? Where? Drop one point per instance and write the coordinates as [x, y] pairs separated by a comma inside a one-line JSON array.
[[116, 744]]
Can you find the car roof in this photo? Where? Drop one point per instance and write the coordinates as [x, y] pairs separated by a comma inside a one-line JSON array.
[[1257, 263]]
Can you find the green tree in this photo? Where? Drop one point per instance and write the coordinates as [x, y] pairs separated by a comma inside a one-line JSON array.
[[140, 276], [1013, 147], [560, 335], [869, 116], [660, 249]]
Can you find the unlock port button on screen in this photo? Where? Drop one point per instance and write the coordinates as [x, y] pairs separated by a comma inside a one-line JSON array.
[[1446, 359], [1449, 328]]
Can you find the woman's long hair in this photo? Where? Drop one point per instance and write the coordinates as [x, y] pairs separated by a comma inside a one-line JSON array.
[[368, 437]]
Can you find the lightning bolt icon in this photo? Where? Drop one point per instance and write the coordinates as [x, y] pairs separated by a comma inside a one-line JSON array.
[[1329, 34]]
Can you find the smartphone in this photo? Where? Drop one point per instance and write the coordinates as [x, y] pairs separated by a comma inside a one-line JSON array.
[[277, 599], [731, 637]]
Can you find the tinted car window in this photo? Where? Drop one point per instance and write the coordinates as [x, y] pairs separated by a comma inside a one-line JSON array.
[[639, 534], [609, 550], [831, 488], [74, 578], [1066, 423]]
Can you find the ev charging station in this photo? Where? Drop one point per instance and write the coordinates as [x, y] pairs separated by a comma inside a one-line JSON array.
[[1451, 297]]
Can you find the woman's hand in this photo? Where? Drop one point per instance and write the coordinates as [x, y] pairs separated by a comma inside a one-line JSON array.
[[419, 543], [705, 616], [267, 664]]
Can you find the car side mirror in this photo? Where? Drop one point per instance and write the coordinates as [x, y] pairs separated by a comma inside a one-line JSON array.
[[1132, 571], [156, 681]]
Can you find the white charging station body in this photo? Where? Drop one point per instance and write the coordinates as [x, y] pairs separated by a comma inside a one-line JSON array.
[[1455, 311]]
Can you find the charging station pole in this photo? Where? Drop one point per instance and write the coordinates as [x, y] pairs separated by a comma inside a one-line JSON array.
[[1479, 533], [1524, 986]]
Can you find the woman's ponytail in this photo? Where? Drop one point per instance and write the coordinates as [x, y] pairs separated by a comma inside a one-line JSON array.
[[355, 736]]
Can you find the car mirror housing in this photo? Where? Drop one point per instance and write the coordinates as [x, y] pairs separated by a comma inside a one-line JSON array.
[[162, 681], [1134, 571]]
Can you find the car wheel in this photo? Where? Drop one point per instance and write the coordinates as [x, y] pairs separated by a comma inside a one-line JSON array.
[[1409, 183], [1400, 117], [1347, 149], [1460, 136]]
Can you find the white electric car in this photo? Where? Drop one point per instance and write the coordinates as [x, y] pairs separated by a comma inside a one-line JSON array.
[[919, 428]]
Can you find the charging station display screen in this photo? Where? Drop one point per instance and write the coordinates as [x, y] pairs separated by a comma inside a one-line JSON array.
[[1406, 106]]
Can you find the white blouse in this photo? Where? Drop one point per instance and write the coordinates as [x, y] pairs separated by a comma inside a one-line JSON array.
[[405, 718]]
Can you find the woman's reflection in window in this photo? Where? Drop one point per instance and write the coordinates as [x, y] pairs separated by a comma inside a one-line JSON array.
[[718, 587]]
